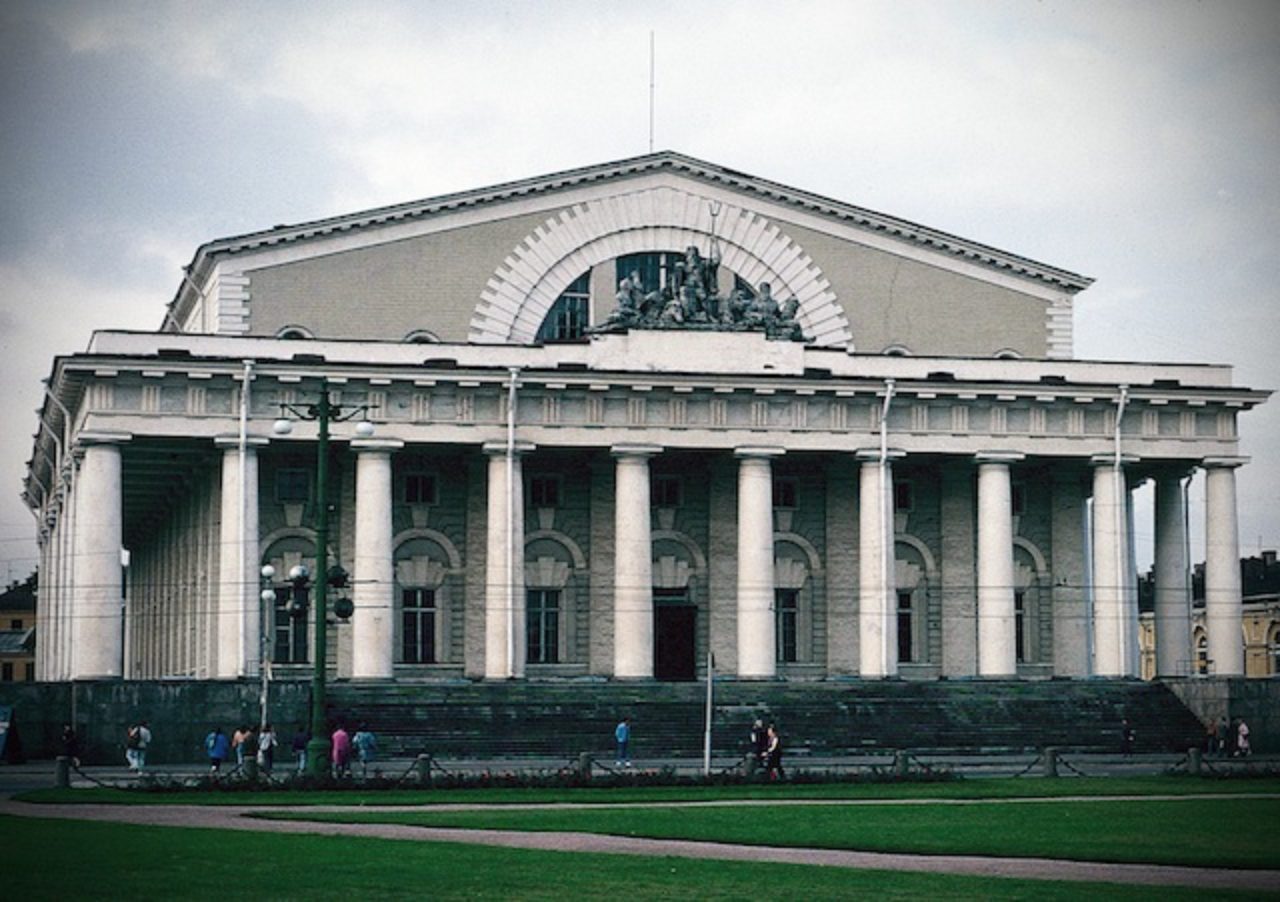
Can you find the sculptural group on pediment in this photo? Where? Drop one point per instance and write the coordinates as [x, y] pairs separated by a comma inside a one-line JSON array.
[[692, 300]]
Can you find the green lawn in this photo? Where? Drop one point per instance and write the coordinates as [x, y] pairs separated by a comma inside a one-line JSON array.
[[1236, 833], [986, 788], [81, 860]]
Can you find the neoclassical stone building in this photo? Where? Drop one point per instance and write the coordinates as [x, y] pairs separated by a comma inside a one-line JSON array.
[[593, 457]]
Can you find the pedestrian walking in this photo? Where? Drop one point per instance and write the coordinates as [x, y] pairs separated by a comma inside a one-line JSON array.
[[267, 743], [1126, 738], [132, 737], [774, 755], [366, 748], [237, 743], [1243, 749], [759, 756], [341, 752], [144, 741], [217, 746], [622, 737], [71, 744], [299, 746]]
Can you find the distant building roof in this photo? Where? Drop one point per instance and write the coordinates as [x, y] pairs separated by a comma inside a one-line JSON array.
[[17, 643], [20, 597]]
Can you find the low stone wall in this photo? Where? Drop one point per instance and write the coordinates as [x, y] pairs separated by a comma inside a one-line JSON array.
[[181, 714], [1257, 701]]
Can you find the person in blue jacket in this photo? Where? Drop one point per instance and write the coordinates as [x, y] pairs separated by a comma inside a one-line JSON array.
[[622, 735], [218, 747]]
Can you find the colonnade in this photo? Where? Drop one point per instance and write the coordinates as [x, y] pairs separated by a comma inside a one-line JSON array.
[[87, 594]]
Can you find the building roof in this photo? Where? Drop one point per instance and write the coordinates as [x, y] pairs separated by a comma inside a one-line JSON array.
[[880, 223], [19, 597], [17, 643]]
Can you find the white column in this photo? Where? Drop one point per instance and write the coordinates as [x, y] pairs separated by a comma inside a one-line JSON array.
[[504, 626], [1114, 616], [373, 622], [633, 564], [66, 577], [757, 626], [1173, 598], [239, 607], [997, 621], [1223, 607], [97, 623], [877, 598]]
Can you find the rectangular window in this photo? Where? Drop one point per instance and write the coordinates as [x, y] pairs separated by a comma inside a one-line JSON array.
[[786, 606], [15, 624], [418, 626], [1018, 499], [419, 488], [906, 624], [902, 500], [542, 610], [544, 491], [784, 493], [290, 646], [30, 669], [6, 672], [293, 486], [1020, 625], [665, 491]]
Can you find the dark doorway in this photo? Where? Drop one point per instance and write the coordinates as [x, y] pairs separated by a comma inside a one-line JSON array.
[[674, 626]]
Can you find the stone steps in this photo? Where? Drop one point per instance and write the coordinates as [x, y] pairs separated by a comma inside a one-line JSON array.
[[829, 718]]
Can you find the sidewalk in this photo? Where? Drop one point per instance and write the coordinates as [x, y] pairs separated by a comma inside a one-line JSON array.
[[36, 774]]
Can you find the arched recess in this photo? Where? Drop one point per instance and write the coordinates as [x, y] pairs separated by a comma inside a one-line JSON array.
[[915, 575], [795, 564], [693, 552], [1030, 599], [289, 635], [541, 266], [428, 571], [556, 595]]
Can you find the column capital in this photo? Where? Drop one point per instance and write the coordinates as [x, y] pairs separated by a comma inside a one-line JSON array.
[[385, 445], [1109, 460], [499, 448], [872, 455], [232, 442], [998, 457], [1225, 462], [103, 438], [763, 452], [635, 450]]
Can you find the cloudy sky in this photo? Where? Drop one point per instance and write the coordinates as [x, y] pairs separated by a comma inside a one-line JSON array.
[[1138, 143]]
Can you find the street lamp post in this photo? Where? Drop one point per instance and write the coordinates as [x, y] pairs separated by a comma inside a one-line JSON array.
[[322, 412], [268, 597]]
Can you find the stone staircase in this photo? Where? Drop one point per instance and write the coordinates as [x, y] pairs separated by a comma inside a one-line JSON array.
[[560, 719]]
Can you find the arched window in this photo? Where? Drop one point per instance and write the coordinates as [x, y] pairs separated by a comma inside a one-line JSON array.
[[421, 337], [1007, 354], [897, 351], [1202, 651], [421, 569], [294, 333], [569, 316], [288, 625]]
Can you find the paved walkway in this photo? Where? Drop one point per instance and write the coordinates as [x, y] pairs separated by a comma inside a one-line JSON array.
[[236, 818]]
